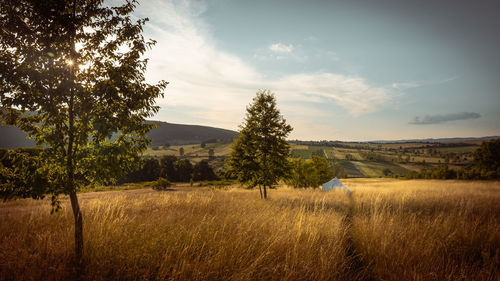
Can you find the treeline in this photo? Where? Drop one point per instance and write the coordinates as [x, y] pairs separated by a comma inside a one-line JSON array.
[[338, 144], [172, 169], [24, 164], [486, 166]]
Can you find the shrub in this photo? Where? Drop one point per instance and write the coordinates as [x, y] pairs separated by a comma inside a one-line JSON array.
[[161, 184]]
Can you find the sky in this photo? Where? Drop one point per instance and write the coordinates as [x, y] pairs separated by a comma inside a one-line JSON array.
[[352, 70]]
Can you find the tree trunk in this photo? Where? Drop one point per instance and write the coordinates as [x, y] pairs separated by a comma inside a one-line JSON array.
[[77, 213], [260, 189], [265, 192]]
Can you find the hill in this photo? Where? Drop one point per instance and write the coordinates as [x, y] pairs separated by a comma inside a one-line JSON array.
[[179, 134], [165, 133]]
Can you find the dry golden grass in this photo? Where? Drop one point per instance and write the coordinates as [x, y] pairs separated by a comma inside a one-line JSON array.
[[392, 230]]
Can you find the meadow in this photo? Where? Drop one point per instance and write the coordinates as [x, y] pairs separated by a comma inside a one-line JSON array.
[[387, 230]]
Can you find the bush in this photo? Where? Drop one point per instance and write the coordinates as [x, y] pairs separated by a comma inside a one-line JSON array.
[[161, 184]]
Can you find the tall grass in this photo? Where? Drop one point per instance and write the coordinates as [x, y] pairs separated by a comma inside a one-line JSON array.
[[399, 230]]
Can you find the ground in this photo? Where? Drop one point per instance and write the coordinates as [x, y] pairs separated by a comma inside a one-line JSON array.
[[388, 230]]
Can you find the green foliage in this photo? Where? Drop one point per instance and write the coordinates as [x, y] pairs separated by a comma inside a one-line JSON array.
[[184, 170], [167, 164], [259, 157], [202, 171], [85, 105], [309, 173], [323, 170], [487, 156], [161, 184], [302, 174]]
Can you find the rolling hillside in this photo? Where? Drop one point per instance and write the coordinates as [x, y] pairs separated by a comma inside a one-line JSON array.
[[165, 133]]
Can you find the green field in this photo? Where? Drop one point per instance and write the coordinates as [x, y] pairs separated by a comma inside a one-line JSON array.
[[391, 156]]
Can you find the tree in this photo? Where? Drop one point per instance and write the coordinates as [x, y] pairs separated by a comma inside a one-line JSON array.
[[72, 78], [181, 151], [167, 164], [302, 174], [203, 171], [151, 170], [310, 173], [487, 156], [184, 170], [211, 153], [323, 170], [259, 156]]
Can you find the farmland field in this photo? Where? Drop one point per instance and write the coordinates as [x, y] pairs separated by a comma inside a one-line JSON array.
[[388, 230]]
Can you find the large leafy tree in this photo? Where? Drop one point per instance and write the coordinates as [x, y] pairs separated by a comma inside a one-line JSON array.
[[310, 173], [487, 156], [72, 77], [259, 157]]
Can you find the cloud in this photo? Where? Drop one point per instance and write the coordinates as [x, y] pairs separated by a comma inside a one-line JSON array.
[[281, 48], [416, 84], [438, 119], [210, 86]]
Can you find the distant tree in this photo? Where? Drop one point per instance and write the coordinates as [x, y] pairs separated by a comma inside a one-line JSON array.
[[386, 172], [202, 145], [203, 171], [151, 169], [259, 157], [349, 157], [487, 156], [72, 78], [181, 151], [167, 165], [184, 170], [211, 153]]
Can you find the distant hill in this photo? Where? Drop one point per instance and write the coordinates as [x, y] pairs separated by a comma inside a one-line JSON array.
[[178, 134], [441, 140], [12, 137], [165, 133]]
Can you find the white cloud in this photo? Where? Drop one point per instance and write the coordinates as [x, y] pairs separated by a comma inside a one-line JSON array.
[[416, 84], [281, 48], [216, 86]]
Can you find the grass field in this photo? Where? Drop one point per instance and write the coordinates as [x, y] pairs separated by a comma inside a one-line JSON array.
[[390, 230]]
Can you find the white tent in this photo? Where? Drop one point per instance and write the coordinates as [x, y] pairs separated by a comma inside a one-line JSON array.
[[334, 184]]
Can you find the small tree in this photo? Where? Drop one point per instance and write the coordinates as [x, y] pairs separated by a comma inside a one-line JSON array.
[[211, 153], [72, 78], [259, 157], [181, 151]]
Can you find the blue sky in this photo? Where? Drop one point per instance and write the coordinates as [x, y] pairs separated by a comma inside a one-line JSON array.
[[341, 70]]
